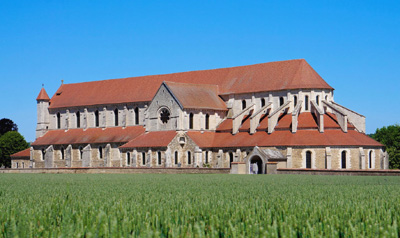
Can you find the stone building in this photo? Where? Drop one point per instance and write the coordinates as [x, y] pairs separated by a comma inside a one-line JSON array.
[[281, 112]]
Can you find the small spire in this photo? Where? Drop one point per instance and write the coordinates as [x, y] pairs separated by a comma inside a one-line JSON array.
[[42, 96], [42, 85], [62, 81]]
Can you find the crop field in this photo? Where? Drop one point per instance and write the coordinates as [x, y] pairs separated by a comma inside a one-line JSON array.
[[152, 205]]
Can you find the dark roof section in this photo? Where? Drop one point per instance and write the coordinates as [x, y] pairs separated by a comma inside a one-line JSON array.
[[197, 96], [43, 96], [273, 76], [23, 154], [90, 136], [151, 139]]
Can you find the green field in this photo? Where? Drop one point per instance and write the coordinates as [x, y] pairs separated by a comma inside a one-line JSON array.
[[110, 205]]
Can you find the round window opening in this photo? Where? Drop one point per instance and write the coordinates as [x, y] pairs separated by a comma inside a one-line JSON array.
[[164, 115]]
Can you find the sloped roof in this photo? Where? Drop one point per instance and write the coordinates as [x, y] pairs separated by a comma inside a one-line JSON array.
[[43, 95], [22, 154], [151, 139], [90, 136], [199, 96], [306, 120], [282, 138], [273, 76]]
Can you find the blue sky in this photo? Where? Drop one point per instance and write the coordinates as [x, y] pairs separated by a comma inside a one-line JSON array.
[[353, 45]]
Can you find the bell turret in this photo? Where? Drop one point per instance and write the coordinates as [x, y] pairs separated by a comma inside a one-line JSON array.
[[43, 121]]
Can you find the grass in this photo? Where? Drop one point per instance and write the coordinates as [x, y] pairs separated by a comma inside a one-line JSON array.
[[152, 205]]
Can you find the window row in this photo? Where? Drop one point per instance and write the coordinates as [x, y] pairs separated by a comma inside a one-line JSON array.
[[343, 159], [96, 118], [206, 122], [282, 101]]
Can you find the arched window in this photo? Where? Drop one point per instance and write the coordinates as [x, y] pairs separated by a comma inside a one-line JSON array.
[[306, 103], [116, 117], [207, 121], [243, 104], [308, 159], [143, 158], [100, 152], [317, 100], [189, 157], [58, 120], [343, 164], [191, 121], [326, 98], [128, 158], [136, 116], [281, 101], [230, 159], [176, 157], [23, 165], [80, 152], [62, 153], [159, 157], [43, 154], [262, 102], [96, 118], [295, 100], [206, 157], [370, 159], [16, 165]]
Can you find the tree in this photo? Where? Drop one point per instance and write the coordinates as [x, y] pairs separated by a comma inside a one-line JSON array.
[[7, 125], [390, 137], [10, 143]]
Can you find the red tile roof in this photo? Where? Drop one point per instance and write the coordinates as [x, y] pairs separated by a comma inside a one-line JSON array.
[[282, 138], [90, 136], [43, 95], [152, 139], [199, 96], [273, 76], [22, 154], [225, 125]]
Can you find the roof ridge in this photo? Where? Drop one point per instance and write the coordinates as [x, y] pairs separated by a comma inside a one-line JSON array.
[[199, 70]]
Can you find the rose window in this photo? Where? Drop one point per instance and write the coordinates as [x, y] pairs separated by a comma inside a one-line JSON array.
[[164, 115]]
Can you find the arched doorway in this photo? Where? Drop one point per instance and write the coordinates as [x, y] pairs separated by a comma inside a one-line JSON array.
[[259, 169]]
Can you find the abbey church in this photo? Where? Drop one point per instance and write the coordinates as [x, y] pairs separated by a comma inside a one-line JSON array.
[[281, 112]]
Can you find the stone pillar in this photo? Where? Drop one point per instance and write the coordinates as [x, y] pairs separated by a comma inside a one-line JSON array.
[[362, 158], [168, 158], [198, 157], [185, 121], [86, 156], [289, 157], [107, 156], [68, 156], [85, 121], [31, 161], [220, 159], [104, 116], [134, 158], [67, 120], [291, 105], [49, 157], [149, 158], [124, 117], [200, 121], [328, 158]]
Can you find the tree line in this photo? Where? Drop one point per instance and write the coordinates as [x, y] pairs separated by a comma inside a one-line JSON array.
[[390, 137], [11, 141]]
